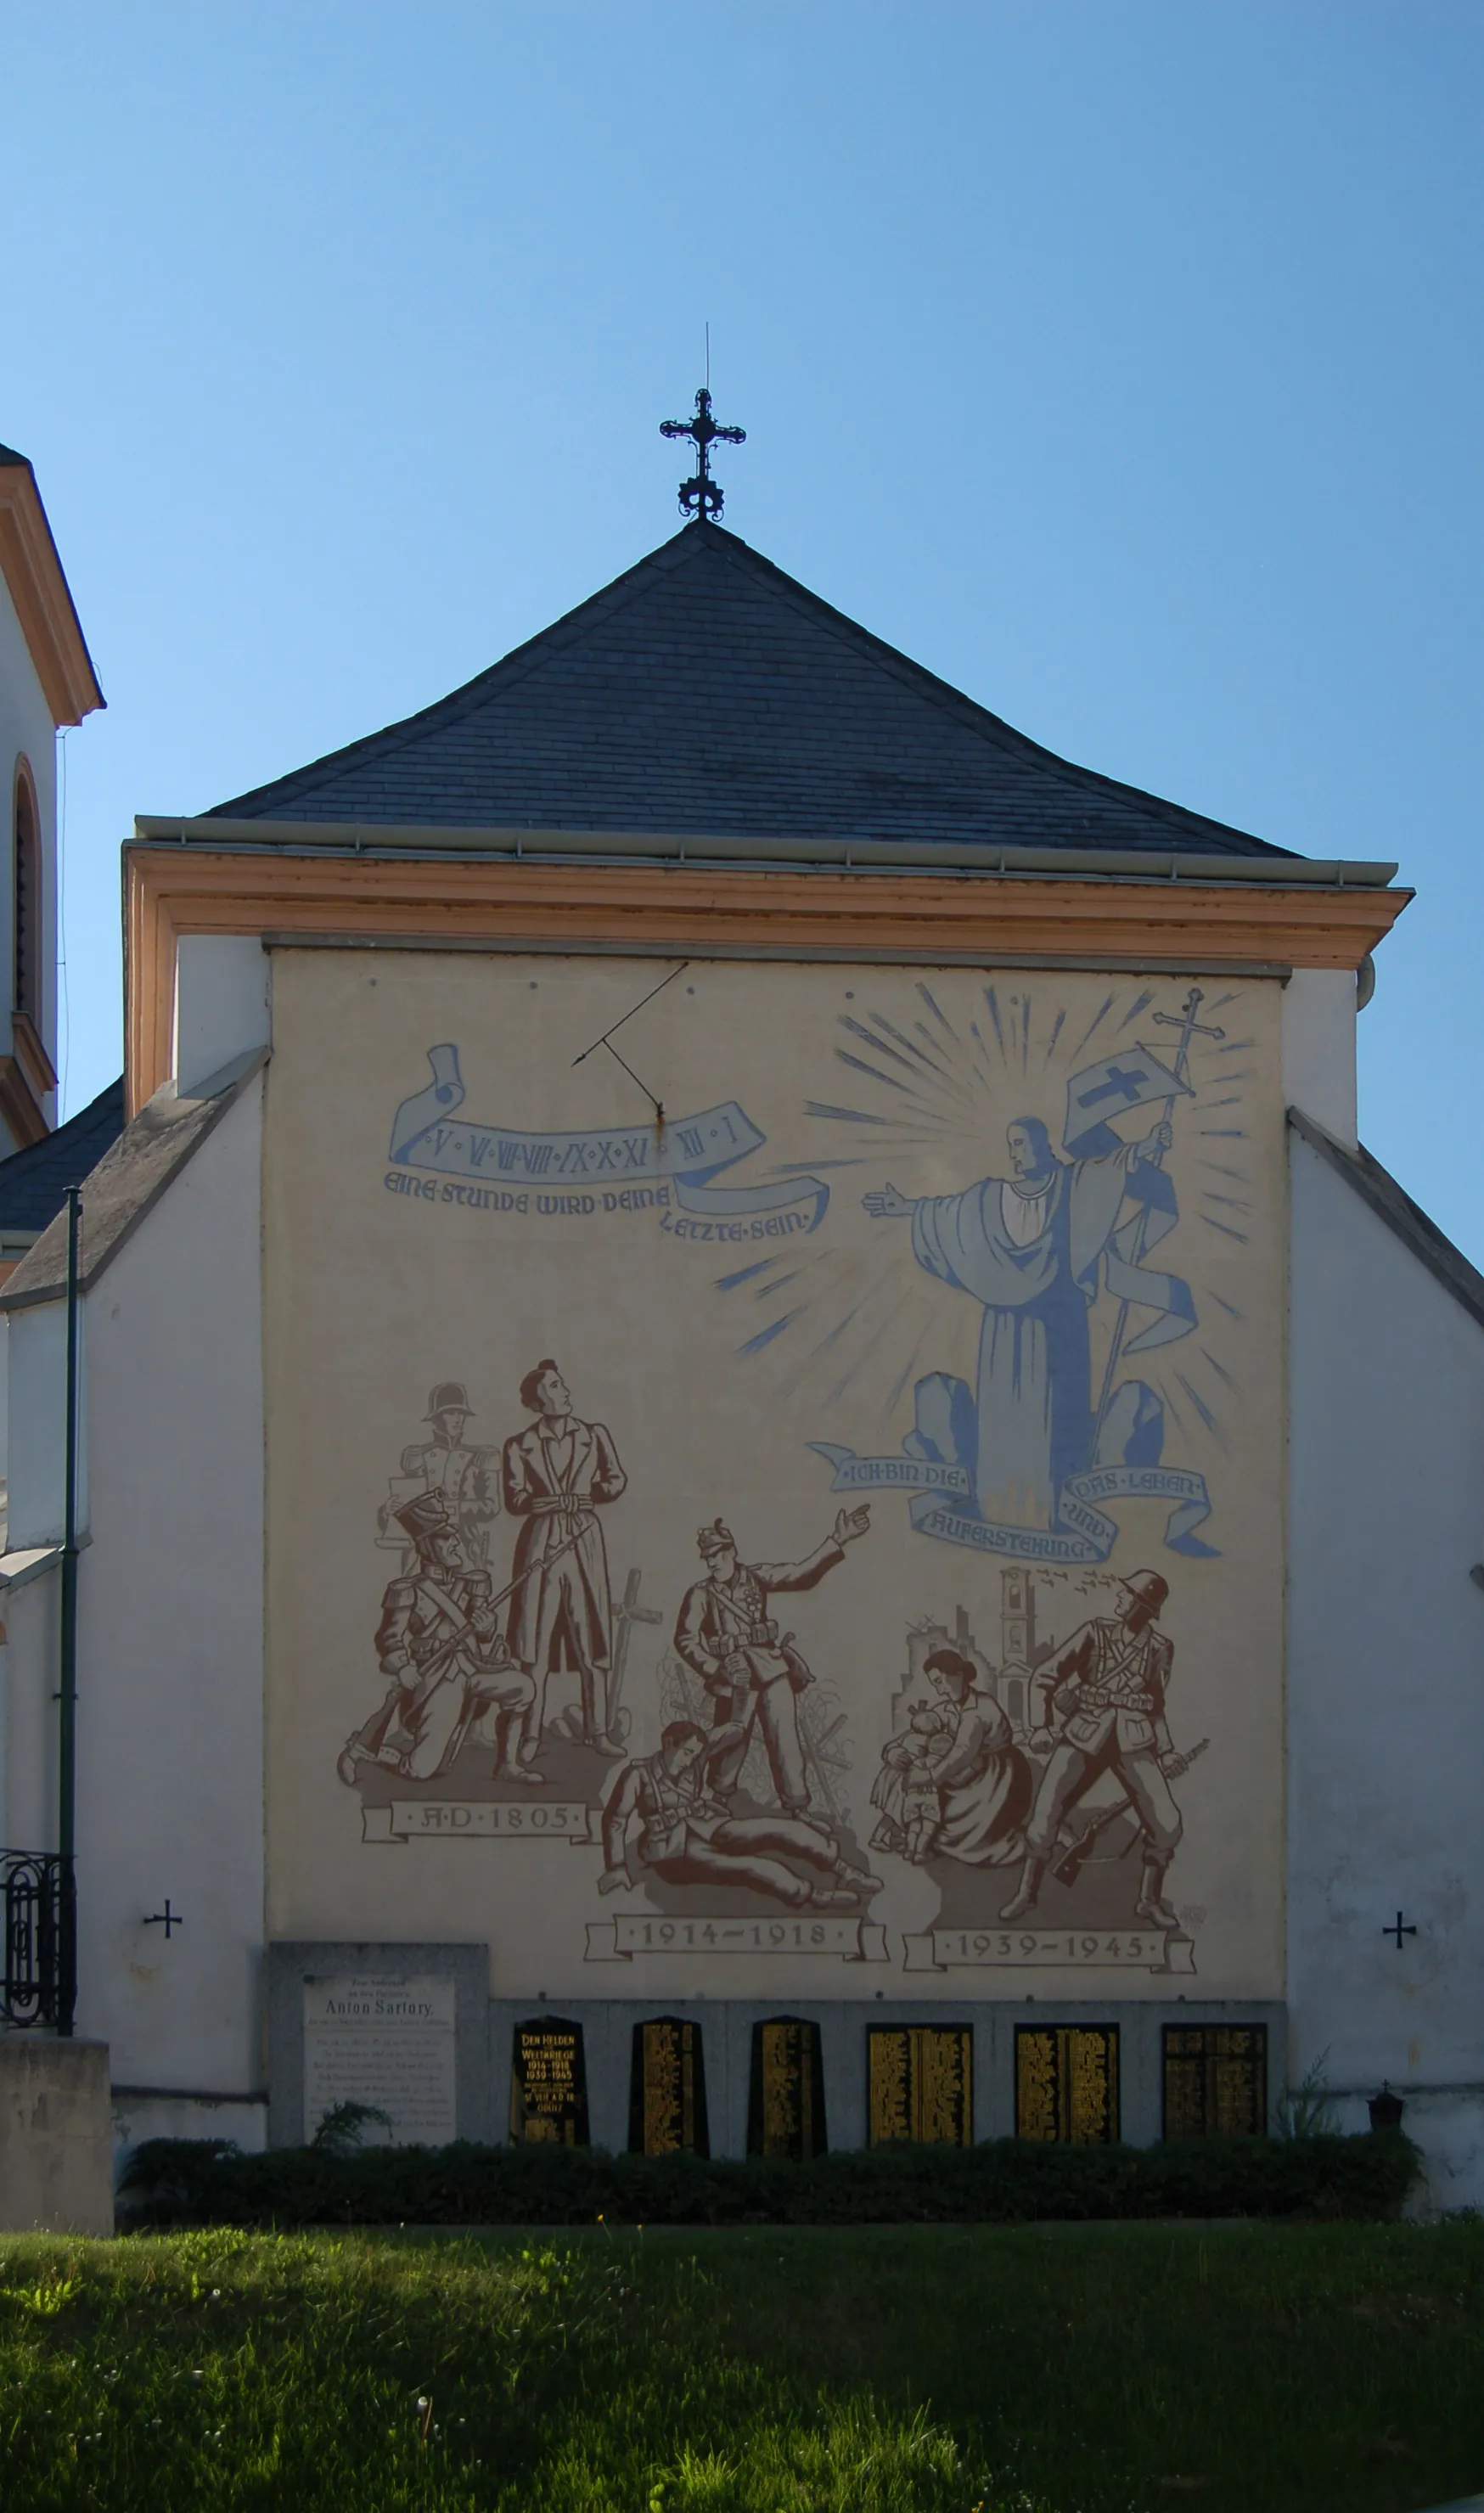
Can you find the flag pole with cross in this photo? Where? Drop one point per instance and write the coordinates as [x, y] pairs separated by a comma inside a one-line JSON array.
[[1124, 1087]]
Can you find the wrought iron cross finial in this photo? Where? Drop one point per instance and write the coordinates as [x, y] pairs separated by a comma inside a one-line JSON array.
[[701, 496]]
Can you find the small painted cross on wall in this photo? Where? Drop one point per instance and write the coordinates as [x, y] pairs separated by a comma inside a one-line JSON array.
[[1399, 1929]]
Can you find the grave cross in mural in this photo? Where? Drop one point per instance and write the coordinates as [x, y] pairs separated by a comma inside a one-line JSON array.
[[701, 496], [625, 1615]]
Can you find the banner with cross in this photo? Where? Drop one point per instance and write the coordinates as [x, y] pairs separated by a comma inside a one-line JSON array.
[[1130, 1078]]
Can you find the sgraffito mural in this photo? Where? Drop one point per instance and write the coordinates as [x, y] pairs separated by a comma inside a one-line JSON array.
[[839, 1524]]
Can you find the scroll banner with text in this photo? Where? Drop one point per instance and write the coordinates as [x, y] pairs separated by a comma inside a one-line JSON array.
[[687, 1152], [1167, 1950], [640, 1932], [477, 1820], [1086, 1534]]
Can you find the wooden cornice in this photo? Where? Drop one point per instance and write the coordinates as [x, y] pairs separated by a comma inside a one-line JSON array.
[[18, 1105], [37, 586], [31, 1054], [712, 911]]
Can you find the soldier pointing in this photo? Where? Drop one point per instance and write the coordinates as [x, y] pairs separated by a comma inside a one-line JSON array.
[[726, 1635]]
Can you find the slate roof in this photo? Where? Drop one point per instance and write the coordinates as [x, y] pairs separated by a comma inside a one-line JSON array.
[[33, 1182], [132, 1172], [704, 690]]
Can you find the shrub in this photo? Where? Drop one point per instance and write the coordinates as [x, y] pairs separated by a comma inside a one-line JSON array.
[[172, 2182]]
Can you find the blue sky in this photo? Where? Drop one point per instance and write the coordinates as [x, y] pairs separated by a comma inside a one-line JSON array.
[[1119, 359]]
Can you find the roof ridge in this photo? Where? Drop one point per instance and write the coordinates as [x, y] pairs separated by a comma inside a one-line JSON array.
[[970, 712], [799, 715], [521, 659]]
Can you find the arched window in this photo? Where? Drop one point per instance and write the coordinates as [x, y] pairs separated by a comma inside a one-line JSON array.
[[25, 992]]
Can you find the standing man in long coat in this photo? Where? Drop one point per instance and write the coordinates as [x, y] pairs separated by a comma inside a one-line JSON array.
[[556, 1475]]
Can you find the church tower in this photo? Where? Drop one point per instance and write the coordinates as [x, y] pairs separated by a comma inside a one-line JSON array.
[[728, 1154], [47, 681]]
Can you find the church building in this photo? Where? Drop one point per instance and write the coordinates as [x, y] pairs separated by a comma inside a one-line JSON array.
[[758, 1462]]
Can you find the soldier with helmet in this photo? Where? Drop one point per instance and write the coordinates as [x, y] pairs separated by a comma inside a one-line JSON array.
[[725, 1634], [1108, 1687], [444, 1657], [468, 1477]]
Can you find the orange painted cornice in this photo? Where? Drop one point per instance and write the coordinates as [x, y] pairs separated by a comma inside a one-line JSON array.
[[37, 586], [713, 911]]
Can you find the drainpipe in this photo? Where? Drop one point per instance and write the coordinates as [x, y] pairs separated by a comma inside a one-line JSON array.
[[67, 1811]]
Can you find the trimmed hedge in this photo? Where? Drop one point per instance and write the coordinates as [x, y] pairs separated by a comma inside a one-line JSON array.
[[176, 2181]]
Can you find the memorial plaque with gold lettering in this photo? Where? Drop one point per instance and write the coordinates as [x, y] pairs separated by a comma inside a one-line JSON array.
[[920, 2083], [786, 2094], [548, 2083], [1215, 2080], [668, 2090], [1066, 2083]]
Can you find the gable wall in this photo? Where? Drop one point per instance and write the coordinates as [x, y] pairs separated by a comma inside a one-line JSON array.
[[170, 1631], [1385, 1636]]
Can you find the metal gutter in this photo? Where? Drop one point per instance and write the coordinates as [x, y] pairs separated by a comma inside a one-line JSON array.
[[863, 854]]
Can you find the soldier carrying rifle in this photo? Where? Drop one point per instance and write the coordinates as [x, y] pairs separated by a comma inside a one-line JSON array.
[[447, 1666]]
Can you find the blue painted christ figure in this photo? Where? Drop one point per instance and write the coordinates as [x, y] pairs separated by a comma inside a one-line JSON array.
[[1029, 1247]]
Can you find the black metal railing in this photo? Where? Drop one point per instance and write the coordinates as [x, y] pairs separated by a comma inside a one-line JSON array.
[[40, 1985]]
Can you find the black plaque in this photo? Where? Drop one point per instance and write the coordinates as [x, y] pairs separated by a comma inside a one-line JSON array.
[[668, 2090], [1215, 2080], [920, 2083], [548, 2083], [786, 2092], [1066, 2083]]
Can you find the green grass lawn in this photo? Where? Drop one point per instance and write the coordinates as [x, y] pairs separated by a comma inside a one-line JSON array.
[[874, 2370]]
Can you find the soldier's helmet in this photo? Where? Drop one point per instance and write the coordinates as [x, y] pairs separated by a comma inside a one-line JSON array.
[[450, 1396], [1149, 1587], [427, 1516], [715, 1539]]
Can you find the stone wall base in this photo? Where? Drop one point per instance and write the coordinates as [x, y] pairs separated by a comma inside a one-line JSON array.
[[56, 2136]]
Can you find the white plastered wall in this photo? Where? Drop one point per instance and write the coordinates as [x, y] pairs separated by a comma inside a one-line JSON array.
[[1385, 1677], [169, 1656], [1319, 1049], [223, 1008]]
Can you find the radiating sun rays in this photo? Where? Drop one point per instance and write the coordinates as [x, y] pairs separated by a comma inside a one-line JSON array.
[[926, 1084]]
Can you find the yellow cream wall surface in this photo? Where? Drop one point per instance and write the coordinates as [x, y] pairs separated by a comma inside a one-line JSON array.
[[945, 1302]]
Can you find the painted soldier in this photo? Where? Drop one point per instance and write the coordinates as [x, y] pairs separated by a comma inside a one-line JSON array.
[[445, 1661], [557, 1475], [468, 1477], [754, 1676], [686, 1835], [1111, 1678]]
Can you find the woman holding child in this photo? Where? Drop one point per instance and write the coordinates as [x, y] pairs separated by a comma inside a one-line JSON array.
[[953, 1784]]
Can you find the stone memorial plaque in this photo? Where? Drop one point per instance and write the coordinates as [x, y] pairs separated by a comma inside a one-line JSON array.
[[1215, 2080], [1066, 2083], [383, 2039], [548, 2083], [786, 2092], [920, 2083], [668, 2090]]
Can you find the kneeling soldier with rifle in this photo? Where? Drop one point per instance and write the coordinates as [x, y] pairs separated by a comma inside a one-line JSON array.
[[444, 1655]]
